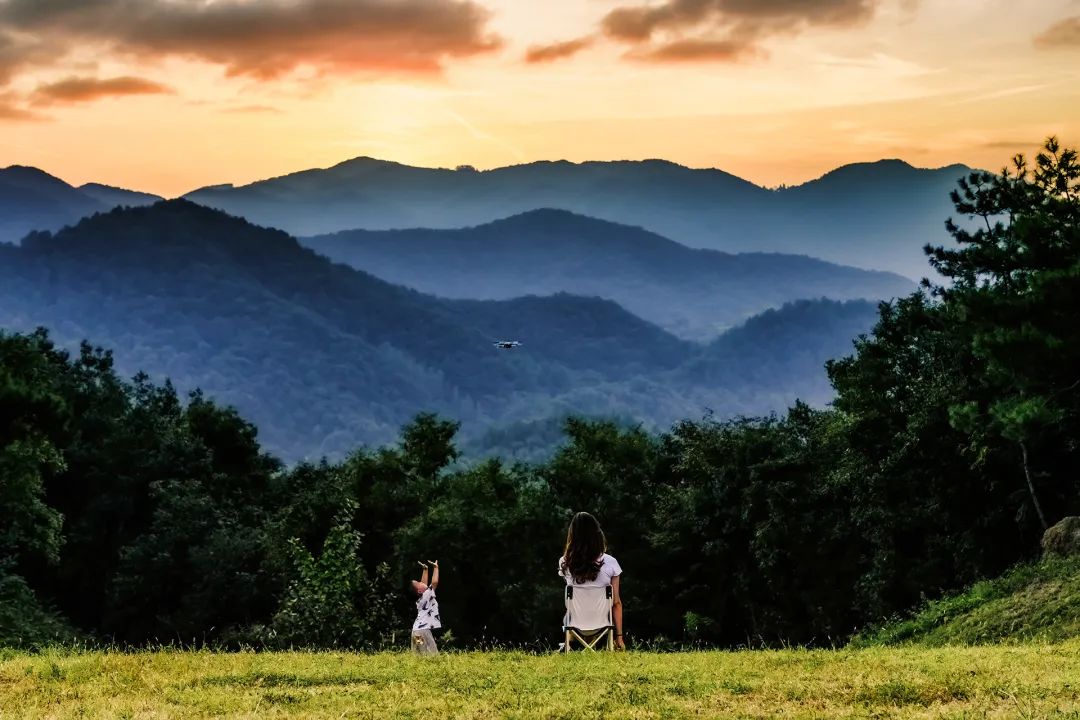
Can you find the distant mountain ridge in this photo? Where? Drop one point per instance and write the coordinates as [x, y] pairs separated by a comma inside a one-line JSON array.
[[869, 215], [31, 199], [695, 294], [115, 196], [874, 215], [323, 357]]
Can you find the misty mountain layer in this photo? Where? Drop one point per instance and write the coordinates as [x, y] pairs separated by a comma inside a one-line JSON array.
[[874, 215], [323, 357], [692, 293], [31, 199]]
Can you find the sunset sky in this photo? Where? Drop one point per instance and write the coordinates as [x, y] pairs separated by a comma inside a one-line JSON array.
[[169, 95]]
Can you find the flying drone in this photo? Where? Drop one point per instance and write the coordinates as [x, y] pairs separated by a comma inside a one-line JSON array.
[[506, 344]]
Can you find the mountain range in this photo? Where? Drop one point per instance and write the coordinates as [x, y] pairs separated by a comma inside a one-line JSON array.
[[31, 199], [873, 215], [695, 294], [323, 357]]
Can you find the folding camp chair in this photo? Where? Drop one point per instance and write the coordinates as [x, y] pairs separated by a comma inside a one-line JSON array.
[[588, 617]]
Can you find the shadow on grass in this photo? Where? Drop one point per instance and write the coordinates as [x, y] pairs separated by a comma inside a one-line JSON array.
[[284, 680]]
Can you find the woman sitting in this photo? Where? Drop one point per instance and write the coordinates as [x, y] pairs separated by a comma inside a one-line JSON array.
[[585, 563]]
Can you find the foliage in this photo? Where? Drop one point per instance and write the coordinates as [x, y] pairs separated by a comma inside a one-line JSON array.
[[331, 602], [1016, 283], [24, 623], [29, 411]]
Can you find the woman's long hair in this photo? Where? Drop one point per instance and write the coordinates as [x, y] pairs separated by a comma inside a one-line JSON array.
[[585, 543]]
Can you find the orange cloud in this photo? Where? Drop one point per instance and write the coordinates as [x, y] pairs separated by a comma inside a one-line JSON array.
[[80, 89], [253, 109], [269, 38], [13, 109], [557, 51], [10, 112], [1064, 33]]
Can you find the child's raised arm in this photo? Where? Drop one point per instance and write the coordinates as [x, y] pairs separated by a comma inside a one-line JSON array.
[[423, 576], [435, 574]]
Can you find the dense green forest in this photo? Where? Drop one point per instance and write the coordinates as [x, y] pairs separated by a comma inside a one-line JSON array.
[[323, 357], [132, 516]]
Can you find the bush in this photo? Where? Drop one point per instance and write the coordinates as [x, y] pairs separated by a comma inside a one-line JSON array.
[[24, 623], [332, 602]]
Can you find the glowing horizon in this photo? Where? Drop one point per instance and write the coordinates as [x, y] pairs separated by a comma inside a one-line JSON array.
[[166, 97]]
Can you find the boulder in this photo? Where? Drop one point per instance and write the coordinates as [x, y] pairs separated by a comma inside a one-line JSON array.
[[1063, 538]]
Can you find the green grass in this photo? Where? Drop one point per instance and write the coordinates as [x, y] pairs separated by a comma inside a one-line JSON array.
[[915, 668], [1039, 601], [1032, 680]]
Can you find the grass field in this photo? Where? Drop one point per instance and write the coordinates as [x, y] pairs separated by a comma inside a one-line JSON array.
[[1006, 681]]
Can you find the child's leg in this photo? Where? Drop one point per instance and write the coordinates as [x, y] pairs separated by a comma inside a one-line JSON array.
[[423, 642]]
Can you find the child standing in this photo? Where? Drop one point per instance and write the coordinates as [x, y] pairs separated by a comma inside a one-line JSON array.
[[427, 611]]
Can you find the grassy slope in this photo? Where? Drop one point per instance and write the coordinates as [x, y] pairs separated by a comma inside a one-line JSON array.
[[909, 682], [1040, 601]]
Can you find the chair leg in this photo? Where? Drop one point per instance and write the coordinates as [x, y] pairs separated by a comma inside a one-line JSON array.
[[602, 641], [586, 644]]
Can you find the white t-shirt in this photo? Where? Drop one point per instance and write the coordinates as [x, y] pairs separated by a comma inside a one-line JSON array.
[[427, 611], [609, 568]]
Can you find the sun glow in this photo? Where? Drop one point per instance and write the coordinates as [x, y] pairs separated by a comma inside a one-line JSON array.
[[909, 80]]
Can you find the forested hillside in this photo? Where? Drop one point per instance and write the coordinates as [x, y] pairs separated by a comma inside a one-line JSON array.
[[137, 517], [695, 294], [324, 358], [873, 215]]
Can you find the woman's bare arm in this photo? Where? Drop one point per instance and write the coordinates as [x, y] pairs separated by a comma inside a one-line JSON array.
[[616, 611]]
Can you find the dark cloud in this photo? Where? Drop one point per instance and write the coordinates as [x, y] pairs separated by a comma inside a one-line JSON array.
[[693, 50], [268, 38], [1064, 33], [723, 30], [557, 51], [18, 51], [82, 89], [636, 24]]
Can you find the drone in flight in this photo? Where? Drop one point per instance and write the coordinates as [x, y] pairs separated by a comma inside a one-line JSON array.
[[506, 344]]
